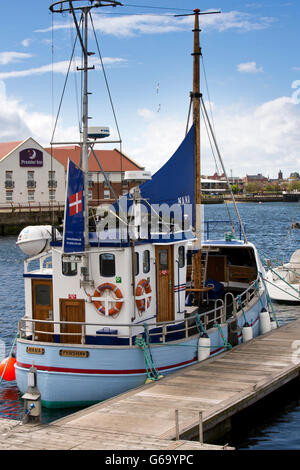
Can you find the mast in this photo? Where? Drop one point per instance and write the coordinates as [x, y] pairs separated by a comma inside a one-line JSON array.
[[85, 6], [196, 121], [85, 118]]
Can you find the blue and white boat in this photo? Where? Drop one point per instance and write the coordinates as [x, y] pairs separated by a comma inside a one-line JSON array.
[[109, 310]]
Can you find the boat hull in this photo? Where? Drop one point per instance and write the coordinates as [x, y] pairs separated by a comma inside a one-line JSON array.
[[281, 290], [85, 374]]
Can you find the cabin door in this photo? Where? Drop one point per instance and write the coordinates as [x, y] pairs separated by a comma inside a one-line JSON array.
[[42, 309], [72, 311], [165, 282]]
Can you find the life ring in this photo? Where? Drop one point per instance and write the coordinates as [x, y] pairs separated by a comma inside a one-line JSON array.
[[98, 293], [143, 286]]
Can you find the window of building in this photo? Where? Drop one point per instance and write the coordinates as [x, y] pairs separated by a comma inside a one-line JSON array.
[[146, 261], [106, 194], [51, 195], [9, 196], [51, 175], [181, 256], [90, 193], [30, 196], [69, 268], [136, 263], [8, 175], [90, 180], [107, 265], [30, 175]]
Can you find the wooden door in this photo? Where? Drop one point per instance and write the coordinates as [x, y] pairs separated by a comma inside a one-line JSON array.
[[42, 309], [72, 310], [165, 283]]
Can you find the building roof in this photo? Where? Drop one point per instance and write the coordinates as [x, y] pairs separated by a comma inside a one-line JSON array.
[[7, 147], [110, 160]]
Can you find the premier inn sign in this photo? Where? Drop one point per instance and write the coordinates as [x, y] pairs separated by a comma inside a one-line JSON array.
[[31, 158]]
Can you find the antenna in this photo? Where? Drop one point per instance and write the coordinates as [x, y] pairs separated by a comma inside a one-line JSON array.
[[63, 6], [198, 12]]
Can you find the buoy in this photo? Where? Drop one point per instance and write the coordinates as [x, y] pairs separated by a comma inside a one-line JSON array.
[[9, 373], [203, 347], [265, 322], [247, 332]]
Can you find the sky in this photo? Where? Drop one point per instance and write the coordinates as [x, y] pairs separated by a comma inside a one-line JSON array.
[[250, 79]]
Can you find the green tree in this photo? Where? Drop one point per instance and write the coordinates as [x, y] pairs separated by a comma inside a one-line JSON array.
[[251, 188], [235, 188]]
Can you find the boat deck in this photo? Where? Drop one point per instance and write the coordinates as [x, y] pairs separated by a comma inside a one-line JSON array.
[[144, 418]]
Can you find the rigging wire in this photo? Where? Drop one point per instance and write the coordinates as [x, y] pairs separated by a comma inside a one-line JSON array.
[[106, 82], [156, 8], [224, 171], [64, 87], [208, 94], [75, 83]]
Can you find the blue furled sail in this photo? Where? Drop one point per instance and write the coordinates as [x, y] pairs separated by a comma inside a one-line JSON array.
[[174, 182], [74, 212]]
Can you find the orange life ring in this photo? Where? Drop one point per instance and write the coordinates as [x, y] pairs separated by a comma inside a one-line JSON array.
[[143, 286], [98, 293]]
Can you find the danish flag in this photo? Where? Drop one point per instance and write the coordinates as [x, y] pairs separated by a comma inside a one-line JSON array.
[[75, 203]]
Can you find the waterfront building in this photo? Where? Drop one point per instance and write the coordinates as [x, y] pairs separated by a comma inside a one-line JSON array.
[[33, 175], [102, 189], [28, 174]]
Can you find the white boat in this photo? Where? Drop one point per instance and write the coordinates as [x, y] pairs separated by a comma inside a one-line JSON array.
[[283, 281], [107, 311]]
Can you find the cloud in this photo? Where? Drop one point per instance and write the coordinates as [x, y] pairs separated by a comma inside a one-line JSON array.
[[262, 139], [26, 42], [59, 67], [131, 25], [18, 121], [11, 57], [249, 67]]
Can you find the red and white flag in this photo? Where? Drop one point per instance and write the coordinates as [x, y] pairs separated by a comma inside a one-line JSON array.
[[75, 203]]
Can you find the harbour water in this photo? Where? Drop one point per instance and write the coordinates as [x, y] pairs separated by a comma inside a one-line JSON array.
[[268, 226]]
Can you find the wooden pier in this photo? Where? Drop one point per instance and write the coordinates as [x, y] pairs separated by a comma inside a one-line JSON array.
[[145, 418]]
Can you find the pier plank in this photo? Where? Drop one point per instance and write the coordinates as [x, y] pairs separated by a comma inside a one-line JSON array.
[[144, 418]]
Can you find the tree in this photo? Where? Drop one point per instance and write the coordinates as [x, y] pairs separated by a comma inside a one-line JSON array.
[[235, 188], [251, 188]]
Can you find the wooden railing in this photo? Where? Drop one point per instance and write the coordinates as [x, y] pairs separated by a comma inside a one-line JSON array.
[[159, 332]]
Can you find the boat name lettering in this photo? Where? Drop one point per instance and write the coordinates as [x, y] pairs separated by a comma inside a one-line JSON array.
[[73, 353], [33, 350]]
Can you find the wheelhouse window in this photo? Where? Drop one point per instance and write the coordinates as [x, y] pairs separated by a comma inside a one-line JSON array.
[[136, 264], [181, 256], [69, 268], [146, 261], [43, 294], [107, 265]]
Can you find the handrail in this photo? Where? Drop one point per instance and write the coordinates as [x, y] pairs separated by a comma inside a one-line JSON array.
[[213, 316]]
